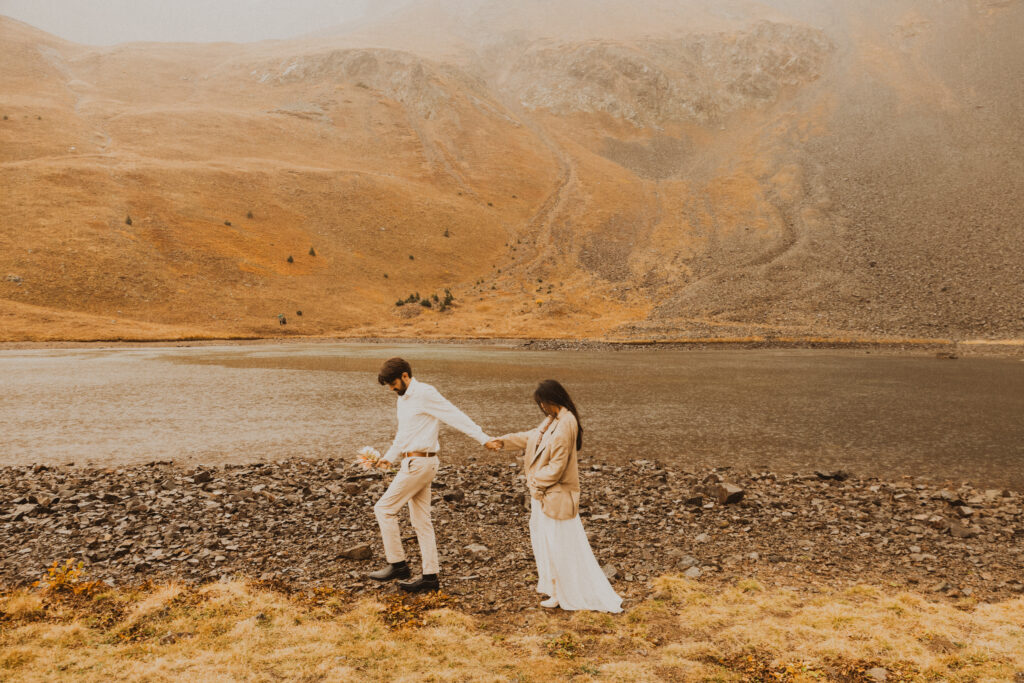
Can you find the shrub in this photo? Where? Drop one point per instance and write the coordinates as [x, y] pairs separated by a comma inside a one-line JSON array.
[[312, 251], [411, 257], [400, 302], [290, 259], [249, 214], [227, 223], [425, 303], [446, 232], [128, 220]]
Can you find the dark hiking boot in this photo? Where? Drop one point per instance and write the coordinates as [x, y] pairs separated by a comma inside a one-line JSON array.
[[398, 570], [424, 584]]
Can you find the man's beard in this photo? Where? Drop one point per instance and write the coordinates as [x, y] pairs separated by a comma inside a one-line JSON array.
[[402, 386]]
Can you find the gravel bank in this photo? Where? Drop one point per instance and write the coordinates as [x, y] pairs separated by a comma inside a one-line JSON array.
[[311, 523]]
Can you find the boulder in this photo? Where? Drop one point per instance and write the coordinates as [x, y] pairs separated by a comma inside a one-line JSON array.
[[878, 674], [687, 562], [454, 496], [835, 475], [958, 530], [21, 511], [477, 551], [357, 552], [727, 494]]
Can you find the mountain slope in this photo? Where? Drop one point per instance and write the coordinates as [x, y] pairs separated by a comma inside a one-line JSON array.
[[700, 169]]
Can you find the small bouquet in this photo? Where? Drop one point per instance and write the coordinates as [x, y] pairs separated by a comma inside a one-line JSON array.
[[369, 457]]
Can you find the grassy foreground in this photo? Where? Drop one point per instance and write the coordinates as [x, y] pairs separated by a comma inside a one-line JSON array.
[[69, 629]]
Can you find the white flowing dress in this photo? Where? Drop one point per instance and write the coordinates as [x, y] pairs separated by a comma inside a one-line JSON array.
[[566, 566]]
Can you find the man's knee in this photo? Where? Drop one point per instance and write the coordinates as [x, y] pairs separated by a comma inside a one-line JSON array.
[[384, 511]]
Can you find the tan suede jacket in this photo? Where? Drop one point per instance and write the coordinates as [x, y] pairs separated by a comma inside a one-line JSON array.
[[552, 472]]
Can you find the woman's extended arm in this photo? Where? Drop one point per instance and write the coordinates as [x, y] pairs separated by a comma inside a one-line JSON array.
[[515, 441]]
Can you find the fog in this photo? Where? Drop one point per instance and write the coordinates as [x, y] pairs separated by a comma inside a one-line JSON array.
[[117, 21]]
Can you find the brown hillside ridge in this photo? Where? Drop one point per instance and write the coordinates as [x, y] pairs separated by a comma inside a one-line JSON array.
[[701, 170]]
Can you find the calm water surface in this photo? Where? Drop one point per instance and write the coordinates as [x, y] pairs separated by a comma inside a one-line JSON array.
[[884, 415]]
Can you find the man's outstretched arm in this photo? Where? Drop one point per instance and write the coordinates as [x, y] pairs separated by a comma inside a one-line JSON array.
[[443, 409]]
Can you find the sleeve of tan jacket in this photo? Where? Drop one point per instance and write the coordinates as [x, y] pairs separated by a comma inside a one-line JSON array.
[[560, 446], [516, 441]]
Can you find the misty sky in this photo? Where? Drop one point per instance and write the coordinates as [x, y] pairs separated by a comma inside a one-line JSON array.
[[105, 22]]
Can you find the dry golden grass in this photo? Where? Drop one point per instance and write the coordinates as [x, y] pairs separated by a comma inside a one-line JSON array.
[[687, 631]]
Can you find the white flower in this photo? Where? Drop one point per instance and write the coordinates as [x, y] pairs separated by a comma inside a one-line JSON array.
[[368, 457]]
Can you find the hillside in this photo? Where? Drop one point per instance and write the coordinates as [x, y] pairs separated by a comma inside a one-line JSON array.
[[701, 169]]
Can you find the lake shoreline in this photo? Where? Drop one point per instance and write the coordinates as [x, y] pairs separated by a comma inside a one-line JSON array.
[[938, 347]]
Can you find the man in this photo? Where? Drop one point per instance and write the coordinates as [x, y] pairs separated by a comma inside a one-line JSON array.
[[421, 409]]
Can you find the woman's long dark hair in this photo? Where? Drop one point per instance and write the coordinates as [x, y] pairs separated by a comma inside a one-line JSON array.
[[550, 391]]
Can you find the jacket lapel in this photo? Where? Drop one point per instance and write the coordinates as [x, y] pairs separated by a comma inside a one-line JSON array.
[[538, 446]]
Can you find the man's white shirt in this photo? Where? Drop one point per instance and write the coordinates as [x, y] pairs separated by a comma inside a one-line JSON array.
[[420, 411]]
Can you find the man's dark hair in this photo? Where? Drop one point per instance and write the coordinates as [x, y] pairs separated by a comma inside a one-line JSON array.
[[550, 391], [393, 369]]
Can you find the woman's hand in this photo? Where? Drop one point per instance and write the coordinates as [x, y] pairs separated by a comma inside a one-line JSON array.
[[494, 445]]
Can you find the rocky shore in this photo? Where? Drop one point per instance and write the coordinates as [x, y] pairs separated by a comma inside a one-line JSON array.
[[946, 349], [298, 523]]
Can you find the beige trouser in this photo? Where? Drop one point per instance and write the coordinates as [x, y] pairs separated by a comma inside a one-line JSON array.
[[411, 485]]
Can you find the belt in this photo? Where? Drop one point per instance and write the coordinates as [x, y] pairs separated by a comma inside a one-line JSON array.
[[416, 454]]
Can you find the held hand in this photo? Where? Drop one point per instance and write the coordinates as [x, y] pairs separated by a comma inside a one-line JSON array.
[[494, 444], [383, 464]]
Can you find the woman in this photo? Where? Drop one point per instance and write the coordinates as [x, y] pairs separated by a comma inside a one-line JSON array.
[[566, 568]]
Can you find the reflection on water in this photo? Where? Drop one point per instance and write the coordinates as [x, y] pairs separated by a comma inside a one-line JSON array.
[[780, 410]]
